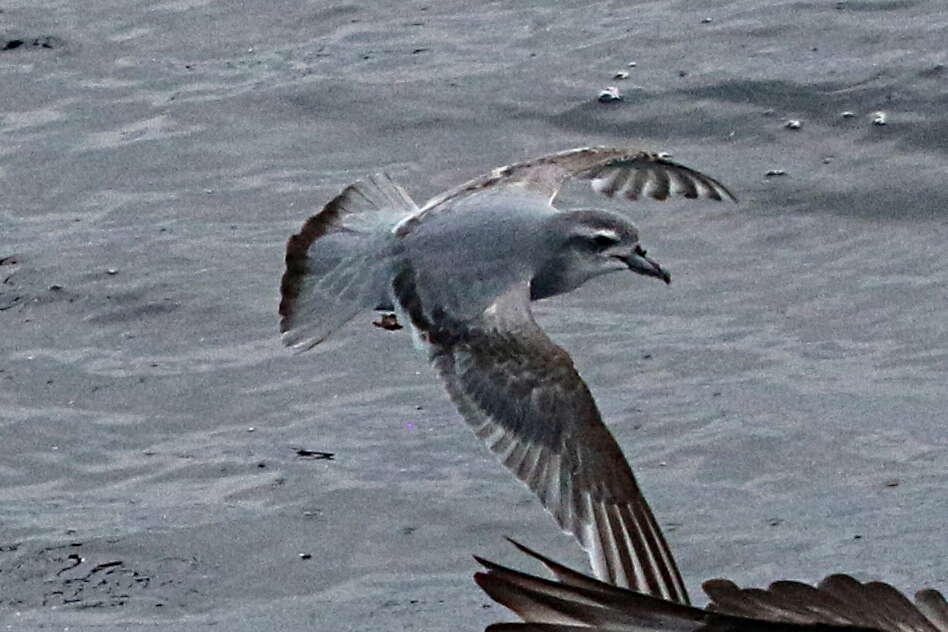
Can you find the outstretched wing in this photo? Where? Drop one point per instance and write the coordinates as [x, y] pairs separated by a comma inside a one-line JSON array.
[[522, 396], [615, 172], [578, 603]]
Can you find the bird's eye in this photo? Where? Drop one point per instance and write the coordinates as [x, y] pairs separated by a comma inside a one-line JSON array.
[[604, 241]]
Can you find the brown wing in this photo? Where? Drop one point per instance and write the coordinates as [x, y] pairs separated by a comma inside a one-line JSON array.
[[581, 604], [522, 396], [614, 172], [837, 600], [578, 603]]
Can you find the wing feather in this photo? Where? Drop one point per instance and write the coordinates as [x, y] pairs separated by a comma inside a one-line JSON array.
[[577, 602], [933, 606], [521, 393], [838, 600]]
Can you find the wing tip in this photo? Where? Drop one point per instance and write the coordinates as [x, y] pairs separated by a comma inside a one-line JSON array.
[[635, 175]]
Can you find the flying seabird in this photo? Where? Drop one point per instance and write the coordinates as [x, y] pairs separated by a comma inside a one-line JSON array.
[[463, 269]]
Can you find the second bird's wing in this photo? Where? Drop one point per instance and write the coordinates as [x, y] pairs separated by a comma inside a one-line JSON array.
[[577, 603], [838, 600]]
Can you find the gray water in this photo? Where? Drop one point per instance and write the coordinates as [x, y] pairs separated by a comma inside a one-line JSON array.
[[783, 403]]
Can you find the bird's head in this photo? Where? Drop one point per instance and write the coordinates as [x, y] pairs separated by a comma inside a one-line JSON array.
[[586, 244]]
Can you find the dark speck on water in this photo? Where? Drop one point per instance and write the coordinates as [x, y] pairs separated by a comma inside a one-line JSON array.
[[313, 454]]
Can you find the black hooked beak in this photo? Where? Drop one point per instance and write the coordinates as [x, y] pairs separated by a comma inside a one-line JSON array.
[[638, 262]]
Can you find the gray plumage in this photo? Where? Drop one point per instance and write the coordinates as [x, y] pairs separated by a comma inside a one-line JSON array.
[[463, 269]]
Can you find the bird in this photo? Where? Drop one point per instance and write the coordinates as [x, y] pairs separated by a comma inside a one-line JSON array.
[[463, 269], [575, 602]]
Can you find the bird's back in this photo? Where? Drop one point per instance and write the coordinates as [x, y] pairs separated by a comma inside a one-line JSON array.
[[466, 256]]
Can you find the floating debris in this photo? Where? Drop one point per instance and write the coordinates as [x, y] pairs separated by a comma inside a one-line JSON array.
[[706, 20], [55, 287], [793, 124], [306, 556], [879, 118], [388, 322], [621, 75], [632, 64], [609, 94], [847, 114], [313, 454], [46, 41], [111, 272], [775, 172]]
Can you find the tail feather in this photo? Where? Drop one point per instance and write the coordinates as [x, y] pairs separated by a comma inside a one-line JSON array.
[[336, 265]]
